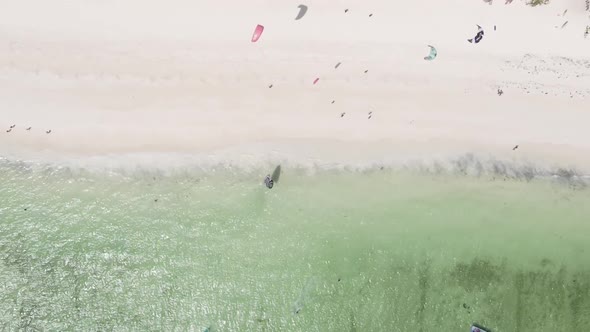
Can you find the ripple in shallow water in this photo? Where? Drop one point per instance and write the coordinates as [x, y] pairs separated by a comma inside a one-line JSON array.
[[366, 251]]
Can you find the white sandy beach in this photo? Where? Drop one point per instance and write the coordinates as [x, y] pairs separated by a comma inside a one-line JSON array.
[[141, 77]]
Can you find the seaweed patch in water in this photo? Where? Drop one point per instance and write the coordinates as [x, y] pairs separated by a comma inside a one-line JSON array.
[[477, 275]]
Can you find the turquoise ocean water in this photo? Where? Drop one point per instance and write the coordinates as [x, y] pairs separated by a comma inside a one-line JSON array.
[[334, 251]]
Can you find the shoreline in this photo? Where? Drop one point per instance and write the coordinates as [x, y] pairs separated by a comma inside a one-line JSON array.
[[468, 165]]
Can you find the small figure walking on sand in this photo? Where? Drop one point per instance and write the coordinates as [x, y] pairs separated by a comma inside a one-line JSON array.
[[29, 128], [12, 126], [500, 92], [48, 132], [9, 130], [515, 147], [342, 114]]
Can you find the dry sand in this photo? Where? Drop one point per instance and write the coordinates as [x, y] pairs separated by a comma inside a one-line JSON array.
[[143, 77]]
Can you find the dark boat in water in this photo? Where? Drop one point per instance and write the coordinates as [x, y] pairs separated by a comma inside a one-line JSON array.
[[479, 328]]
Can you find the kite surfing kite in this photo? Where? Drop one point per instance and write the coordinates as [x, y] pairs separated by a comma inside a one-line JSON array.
[[478, 37], [257, 33], [302, 11], [432, 55]]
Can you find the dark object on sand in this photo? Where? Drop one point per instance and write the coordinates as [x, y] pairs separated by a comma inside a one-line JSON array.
[[479, 328], [48, 132], [346, 10], [333, 101], [302, 11], [337, 65], [500, 92], [366, 71], [515, 147], [370, 15], [342, 114], [29, 128], [270, 86]]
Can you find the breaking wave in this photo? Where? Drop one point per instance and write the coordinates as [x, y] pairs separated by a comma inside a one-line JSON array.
[[468, 164]]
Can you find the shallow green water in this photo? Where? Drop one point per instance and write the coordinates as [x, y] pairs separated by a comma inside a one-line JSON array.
[[375, 251]]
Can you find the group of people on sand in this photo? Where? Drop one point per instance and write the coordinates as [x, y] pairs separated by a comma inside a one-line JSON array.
[[27, 129]]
